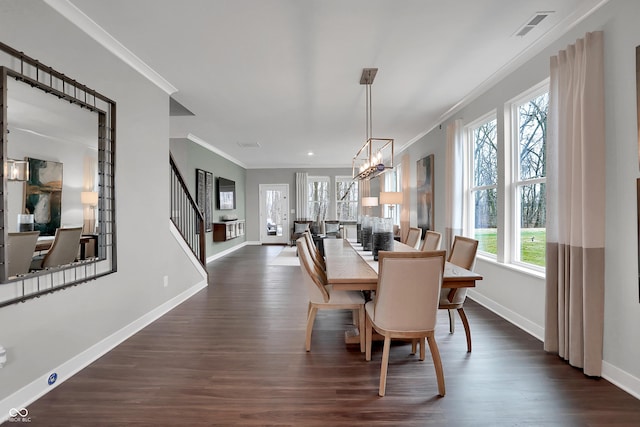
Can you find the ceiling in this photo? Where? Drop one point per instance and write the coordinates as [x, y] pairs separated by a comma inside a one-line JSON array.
[[284, 74]]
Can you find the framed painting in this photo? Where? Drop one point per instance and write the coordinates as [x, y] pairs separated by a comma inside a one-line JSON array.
[[204, 196], [43, 195], [424, 176]]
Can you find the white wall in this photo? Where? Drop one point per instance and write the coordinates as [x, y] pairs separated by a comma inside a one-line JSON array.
[[519, 296], [56, 331]]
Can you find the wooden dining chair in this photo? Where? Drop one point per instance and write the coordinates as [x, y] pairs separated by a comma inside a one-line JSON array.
[[406, 305], [21, 247], [431, 241], [323, 297], [413, 238], [463, 254]]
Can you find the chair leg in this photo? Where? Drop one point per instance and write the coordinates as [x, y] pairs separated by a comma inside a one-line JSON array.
[[467, 331], [310, 319], [414, 346], [368, 330], [361, 323], [422, 348], [384, 365], [437, 363], [452, 322]]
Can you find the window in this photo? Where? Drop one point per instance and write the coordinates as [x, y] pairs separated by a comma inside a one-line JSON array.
[[318, 201], [529, 120], [483, 187], [346, 198]]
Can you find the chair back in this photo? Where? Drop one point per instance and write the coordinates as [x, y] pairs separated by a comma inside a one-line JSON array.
[[413, 238], [463, 252], [312, 279], [408, 291], [317, 257], [431, 241], [21, 247], [332, 228], [64, 249]]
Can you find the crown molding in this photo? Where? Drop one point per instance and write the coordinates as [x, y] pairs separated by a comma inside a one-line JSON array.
[[201, 142], [99, 34]]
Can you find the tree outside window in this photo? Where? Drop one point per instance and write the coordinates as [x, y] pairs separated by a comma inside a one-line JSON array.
[[483, 189], [346, 198], [530, 210]]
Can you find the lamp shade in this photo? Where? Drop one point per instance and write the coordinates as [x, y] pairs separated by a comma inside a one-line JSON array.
[[369, 201], [390, 198], [89, 198]]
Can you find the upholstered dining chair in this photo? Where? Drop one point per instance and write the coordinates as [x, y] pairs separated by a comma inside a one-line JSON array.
[[431, 241], [406, 305], [313, 250], [463, 254], [21, 247], [413, 238], [64, 249], [323, 297]]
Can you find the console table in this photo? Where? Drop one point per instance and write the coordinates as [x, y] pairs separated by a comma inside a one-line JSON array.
[[227, 230]]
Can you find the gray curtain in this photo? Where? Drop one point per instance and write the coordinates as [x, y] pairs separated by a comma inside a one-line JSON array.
[[454, 186], [574, 314]]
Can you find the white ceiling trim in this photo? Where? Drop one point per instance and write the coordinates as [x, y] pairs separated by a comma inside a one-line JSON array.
[[95, 31], [201, 142]]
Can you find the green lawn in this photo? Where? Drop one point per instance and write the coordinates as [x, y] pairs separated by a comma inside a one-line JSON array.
[[532, 241]]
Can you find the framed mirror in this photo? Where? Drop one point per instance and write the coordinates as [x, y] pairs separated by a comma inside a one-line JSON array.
[[58, 152]]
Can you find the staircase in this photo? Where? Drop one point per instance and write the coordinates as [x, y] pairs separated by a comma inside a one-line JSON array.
[[186, 215]]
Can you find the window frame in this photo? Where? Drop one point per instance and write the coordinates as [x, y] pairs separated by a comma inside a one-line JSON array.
[[513, 208], [345, 178], [471, 189], [310, 180]]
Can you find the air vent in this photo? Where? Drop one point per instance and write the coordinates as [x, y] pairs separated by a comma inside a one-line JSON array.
[[532, 22], [249, 144]]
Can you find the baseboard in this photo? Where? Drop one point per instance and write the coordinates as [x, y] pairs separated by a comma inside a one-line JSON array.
[[611, 373], [226, 252], [39, 387], [507, 314], [621, 379]]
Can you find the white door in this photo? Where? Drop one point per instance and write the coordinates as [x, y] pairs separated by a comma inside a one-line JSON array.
[[274, 214]]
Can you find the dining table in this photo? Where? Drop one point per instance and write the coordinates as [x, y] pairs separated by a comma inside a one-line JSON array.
[[350, 267]]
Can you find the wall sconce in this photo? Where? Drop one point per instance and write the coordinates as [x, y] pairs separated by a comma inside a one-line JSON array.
[[17, 170]]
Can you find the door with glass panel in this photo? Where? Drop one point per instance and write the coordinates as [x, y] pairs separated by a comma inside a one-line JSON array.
[[274, 214]]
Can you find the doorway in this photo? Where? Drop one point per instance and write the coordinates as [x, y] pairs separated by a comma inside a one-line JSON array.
[[274, 214]]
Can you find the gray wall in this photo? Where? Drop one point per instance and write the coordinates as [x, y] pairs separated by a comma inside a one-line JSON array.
[[62, 328], [255, 177], [519, 296], [190, 156]]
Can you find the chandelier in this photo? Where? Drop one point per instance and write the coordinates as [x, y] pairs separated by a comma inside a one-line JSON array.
[[376, 155]]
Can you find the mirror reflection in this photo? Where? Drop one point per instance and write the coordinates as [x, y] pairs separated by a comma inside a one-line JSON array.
[[52, 186]]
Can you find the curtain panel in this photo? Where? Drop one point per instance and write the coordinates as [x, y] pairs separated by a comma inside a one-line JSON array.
[[574, 312], [454, 184], [302, 195]]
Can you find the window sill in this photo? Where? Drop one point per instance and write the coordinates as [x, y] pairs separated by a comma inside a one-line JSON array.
[[514, 267]]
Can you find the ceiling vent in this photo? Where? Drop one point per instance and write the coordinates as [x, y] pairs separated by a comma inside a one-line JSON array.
[[532, 23], [249, 144]]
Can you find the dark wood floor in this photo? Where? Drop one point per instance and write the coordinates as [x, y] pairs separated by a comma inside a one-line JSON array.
[[234, 355]]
